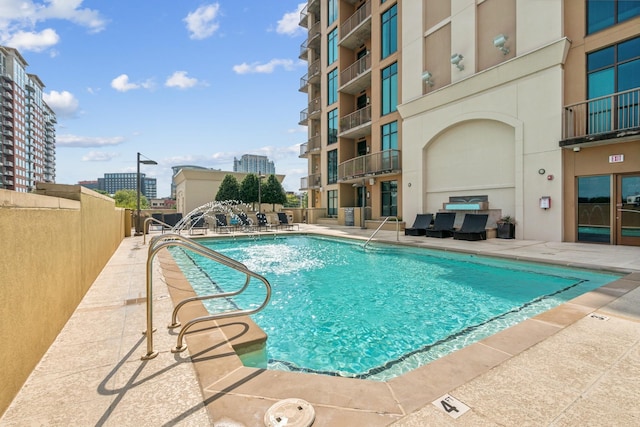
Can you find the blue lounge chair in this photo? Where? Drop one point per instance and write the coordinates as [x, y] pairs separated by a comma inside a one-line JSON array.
[[473, 227], [442, 225], [420, 225]]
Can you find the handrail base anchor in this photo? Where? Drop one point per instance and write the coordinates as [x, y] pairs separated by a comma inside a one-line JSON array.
[[149, 356], [177, 349]]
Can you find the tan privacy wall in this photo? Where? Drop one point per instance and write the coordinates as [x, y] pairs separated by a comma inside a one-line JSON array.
[[54, 245]]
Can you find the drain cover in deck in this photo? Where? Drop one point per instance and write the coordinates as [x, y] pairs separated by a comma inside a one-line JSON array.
[[290, 413]]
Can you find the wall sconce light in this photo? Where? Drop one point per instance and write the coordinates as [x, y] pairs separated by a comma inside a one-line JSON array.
[[372, 181], [499, 42], [426, 77], [455, 60], [576, 149]]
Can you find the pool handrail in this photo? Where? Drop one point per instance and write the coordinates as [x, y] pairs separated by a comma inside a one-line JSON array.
[[380, 226], [159, 242], [145, 227]]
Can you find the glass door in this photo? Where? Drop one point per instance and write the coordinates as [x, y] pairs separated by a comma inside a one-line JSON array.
[[594, 207], [628, 210]]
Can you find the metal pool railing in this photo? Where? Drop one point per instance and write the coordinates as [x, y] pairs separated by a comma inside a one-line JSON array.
[[159, 242], [378, 229]]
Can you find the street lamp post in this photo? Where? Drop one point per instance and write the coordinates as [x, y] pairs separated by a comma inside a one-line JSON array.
[[260, 176], [144, 162]]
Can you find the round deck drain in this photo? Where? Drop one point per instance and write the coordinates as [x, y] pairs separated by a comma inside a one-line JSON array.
[[290, 413]]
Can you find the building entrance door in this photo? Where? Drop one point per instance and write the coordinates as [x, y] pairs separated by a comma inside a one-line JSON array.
[[627, 223]]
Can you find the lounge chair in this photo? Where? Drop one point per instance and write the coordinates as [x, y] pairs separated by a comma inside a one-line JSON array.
[[420, 225], [221, 224], [473, 227], [244, 222], [442, 225], [198, 225], [284, 222], [263, 222]]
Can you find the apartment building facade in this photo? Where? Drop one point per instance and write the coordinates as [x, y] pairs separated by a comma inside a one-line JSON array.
[[113, 182], [27, 126], [253, 163], [354, 129], [509, 107]]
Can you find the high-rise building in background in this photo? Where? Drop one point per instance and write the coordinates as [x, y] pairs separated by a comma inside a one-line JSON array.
[[113, 182], [252, 163], [27, 126]]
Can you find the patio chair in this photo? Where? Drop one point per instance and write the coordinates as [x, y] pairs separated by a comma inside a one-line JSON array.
[[284, 222], [420, 225], [442, 225], [221, 224], [473, 227], [244, 222], [263, 222], [198, 225]]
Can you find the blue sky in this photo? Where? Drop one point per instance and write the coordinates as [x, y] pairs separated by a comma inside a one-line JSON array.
[[180, 81]]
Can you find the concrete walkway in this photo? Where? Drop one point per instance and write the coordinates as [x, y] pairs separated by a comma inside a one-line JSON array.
[[586, 373]]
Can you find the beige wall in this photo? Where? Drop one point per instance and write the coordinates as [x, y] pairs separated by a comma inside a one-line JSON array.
[[195, 187], [55, 245]]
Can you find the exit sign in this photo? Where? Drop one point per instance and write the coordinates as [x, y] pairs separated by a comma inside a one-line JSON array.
[[616, 158]]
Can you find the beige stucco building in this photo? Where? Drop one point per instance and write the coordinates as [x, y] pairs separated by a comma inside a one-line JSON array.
[[508, 103], [196, 187]]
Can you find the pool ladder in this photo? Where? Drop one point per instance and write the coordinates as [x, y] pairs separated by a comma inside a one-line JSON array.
[[380, 226], [159, 242]]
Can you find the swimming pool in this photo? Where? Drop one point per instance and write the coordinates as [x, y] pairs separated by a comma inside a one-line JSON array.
[[338, 309]]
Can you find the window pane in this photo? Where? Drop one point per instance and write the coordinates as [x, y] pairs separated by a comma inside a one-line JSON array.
[[332, 125], [389, 37], [600, 59], [629, 49], [389, 89], [332, 87], [594, 202], [332, 47], [600, 14], [390, 136], [627, 9], [629, 75], [333, 11], [332, 167]]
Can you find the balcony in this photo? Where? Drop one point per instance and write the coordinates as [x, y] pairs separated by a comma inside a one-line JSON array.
[[304, 116], [313, 38], [377, 164], [304, 16], [7, 104], [304, 48], [604, 118], [313, 6], [310, 182], [356, 30], [356, 124], [7, 123], [304, 81], [314, 72], [315, 108], [357, 76], [312, 146]]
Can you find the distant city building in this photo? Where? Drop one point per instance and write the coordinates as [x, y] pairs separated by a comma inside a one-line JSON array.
[[113, 182], [27, 126], [252, 163]]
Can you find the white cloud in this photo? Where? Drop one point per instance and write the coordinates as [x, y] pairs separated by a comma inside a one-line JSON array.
[[289, 23], [98, 156], [64, 104], [87, 141], [36, 42], [267, 68], [122, 84], [202, 22], [18, 19], [180, 80]]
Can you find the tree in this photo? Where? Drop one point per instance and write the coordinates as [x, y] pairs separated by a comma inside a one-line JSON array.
[[129, 199], [249, 189], [272, 192], [293, 201], [229, 189]]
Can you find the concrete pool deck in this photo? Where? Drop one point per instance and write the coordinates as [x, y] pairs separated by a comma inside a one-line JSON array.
[[564, 367]]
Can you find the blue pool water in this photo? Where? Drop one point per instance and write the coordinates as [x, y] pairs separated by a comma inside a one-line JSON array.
[[378, 312]]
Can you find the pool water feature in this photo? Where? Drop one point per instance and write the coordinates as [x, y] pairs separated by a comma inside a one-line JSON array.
[[376, 313]]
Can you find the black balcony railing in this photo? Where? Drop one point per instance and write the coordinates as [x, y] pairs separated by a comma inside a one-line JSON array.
[[612, 113]]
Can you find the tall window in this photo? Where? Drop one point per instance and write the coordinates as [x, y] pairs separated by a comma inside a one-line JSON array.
[[332, 126], [389, 37], [390, 136], [605, 13], [389, 197], [390, 88], [332, 203], [332, 86], [332, 167], [594, 203], [332, 46], [612, 70], [332, 12]]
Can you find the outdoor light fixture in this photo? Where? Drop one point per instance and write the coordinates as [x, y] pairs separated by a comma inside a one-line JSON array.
[[499, 42], [146, 161], [426, 77], [455, 60]]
